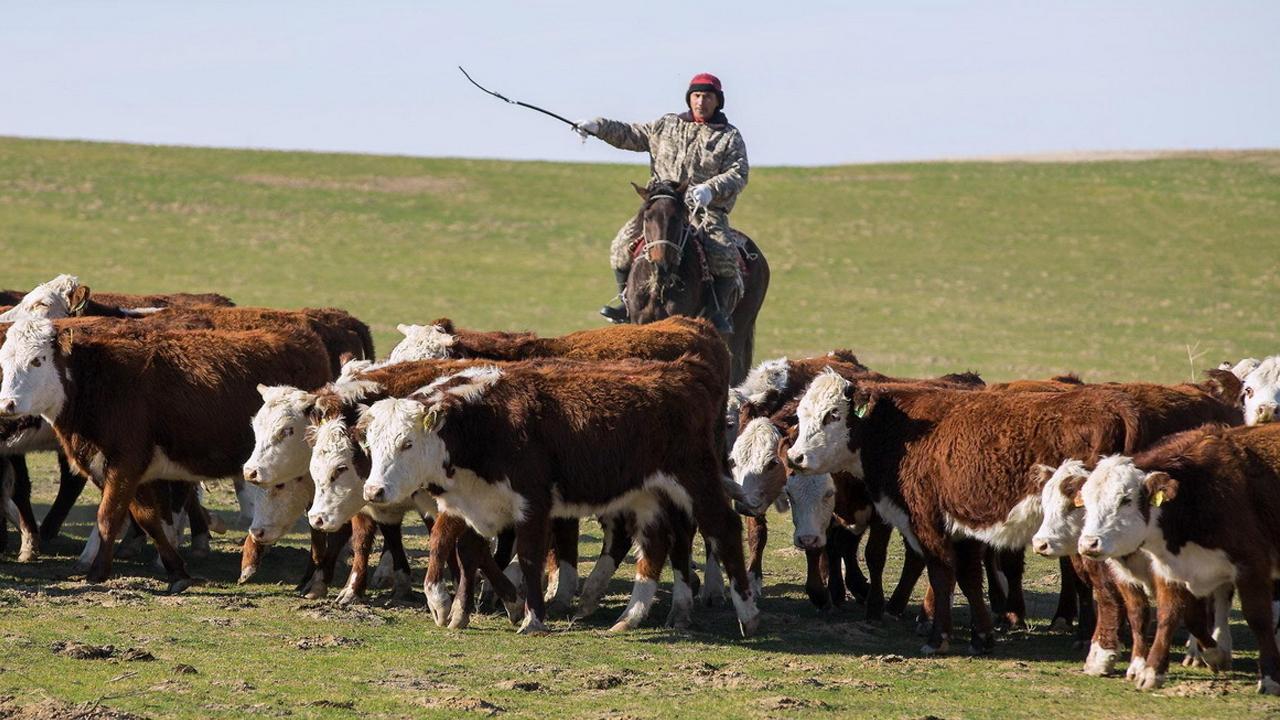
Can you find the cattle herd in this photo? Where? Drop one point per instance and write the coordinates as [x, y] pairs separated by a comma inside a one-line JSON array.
[[1152, 496]]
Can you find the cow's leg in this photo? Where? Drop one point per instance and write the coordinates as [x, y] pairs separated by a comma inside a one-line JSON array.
[[1137, 610], [1254, 585], [969, 562], [616, 542], [1174, 604], [682, 585], [722, 530], [1084, 589], [326, 564], [9, 511], [251, 559], [26, 516], [814, 585], [393, 547], [70, 485], [363, 530], [1011, 566], [913, 565], [942, 583], [757, 538], [199, 519], [1107, 603], [563, 560], [150, 512], [877, 554], [853, 577], [117, 494], [474, 556], [1068, 591], [531, 550], [445, 535], [653, 533], [832, 557], [997, 582], [502, 554]]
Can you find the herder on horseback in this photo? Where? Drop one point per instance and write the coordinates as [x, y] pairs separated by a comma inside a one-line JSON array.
[[700, 149]]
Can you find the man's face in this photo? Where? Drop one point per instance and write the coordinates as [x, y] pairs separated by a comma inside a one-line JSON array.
[[703, 104]]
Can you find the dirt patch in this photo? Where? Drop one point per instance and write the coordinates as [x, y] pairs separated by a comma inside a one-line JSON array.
[[784, 702], [336, 704], [327, 610], [184, 669], [604, 681], [522, 685], [406, 185], [235, 602], [84, 651], [705, 674], [455, 703], [52, 709], [1197, 688], [325, 641], [400, 680], [136, 655]]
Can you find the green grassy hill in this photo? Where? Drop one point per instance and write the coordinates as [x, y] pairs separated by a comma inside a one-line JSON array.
[[1116, 270]]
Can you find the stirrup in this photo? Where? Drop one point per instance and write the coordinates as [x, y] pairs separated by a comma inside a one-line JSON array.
[[617, 315]]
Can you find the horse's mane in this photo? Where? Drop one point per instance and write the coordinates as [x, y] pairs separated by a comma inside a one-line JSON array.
[[657, 187]]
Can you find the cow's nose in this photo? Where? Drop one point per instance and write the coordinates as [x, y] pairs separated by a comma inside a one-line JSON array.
[[258, 533], [795, 462], [807, 542], [251, 474], [1267, 413], [1040, 546], [8, 406], [1090, 545], [375, 493]]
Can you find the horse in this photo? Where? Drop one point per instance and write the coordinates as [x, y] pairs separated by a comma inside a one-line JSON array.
[[669, 277]]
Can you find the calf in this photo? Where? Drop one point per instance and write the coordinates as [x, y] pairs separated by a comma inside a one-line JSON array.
[[1203, 507], [518, 445], [64, 296], [1261, 392], [1131, 578], [132, 407]]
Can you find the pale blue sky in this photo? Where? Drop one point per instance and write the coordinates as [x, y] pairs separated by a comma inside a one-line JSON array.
[[808, 83]]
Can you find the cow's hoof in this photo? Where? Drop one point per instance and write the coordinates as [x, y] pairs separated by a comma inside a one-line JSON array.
[[1148, 679], [757, 586], [942, 648], [1136, 666], [924, 628], [559, 608], [78, 567], [1216, 659], [247, 573], [317, 590], [749, 627], [459, 619], [532, 626], [679, 620], [1267, 686], [515, 610], [620, 627], [401, 586], [178, 585], [982, 644], [1100, 661], [1060, 625], [28, 554], [348, 596]]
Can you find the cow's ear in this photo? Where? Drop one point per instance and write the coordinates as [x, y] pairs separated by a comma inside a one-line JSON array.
[[66, 338], [262, 390], [746, 413], [78, 299], [445, 325], [1071, 487], [310, 435], [1040, 475], [1160, 488], [1224, 385], [861, 404], [642, 192]]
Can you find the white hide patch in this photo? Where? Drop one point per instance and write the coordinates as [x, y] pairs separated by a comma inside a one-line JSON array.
[[754, 455], [1112, 495], [1242, 368], [897, 517], [421, 342], [1014, 532], [30, 378], [279, 508], [813, 500], [643, 504], [822, 442], [768, 375], [1062, 521], [488, 507], [1202, 569], [338, 488], [279, 435], [1262, 392], [480, 378], [405, 457]]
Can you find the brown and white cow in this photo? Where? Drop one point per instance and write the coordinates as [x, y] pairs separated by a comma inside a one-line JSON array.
[[1261, 392], [518, 445], [133, 406], [1202, 505], [64, 296]]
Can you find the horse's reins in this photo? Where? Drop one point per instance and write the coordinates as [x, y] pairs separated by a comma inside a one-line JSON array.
[[684, 236]]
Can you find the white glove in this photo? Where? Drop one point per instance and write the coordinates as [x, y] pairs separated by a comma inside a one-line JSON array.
[[587, 128], [698, 197]]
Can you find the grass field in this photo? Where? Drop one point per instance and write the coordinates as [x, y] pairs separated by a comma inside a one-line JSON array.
[[1116, 270]]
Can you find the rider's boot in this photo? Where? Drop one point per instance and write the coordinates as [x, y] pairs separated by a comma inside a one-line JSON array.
[[727, 294], [617, 313]]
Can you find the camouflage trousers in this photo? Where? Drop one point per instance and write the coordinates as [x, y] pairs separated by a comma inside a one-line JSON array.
[[722, 253]]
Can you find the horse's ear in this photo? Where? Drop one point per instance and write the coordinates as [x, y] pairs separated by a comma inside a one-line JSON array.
[[681, 188], [642, 192]]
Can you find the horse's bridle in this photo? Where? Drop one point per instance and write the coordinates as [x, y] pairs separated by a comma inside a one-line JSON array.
[[684, 236]]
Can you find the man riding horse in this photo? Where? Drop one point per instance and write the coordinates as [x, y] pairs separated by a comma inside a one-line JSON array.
[[698, 148]]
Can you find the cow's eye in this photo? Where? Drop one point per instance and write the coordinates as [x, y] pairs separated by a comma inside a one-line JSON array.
[[830, 494], [287, 431], [1126, 500], [35, 363], [1248, 392], [406, 445], [279, 486]]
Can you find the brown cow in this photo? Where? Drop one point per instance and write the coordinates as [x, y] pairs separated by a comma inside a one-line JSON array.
[[130, 407], [517, 445], [1203, 506]]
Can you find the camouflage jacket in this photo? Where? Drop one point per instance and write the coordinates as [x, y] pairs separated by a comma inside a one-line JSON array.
[[682, 150]]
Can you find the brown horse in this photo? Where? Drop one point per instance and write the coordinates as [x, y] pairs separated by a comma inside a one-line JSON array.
[[669, 278]]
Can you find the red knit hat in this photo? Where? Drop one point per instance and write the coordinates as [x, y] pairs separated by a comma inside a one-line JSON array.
[[705, 82]]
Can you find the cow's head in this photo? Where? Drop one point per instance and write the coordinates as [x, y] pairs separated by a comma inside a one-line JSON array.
[[1242, 368], [813, 501], [1121, 502], [279, 507], [1063, 520], [830, 413], [403, 435], [279, 448], [423, 342], [1261, 393], [338, 468], [30, 360], [757, 468], [61, 297]]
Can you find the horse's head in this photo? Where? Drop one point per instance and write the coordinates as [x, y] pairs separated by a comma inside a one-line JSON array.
[[664, 220]]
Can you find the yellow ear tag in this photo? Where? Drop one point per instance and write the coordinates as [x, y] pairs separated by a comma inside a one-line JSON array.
[[1077, 501], [1158, 498], [429, 420]]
